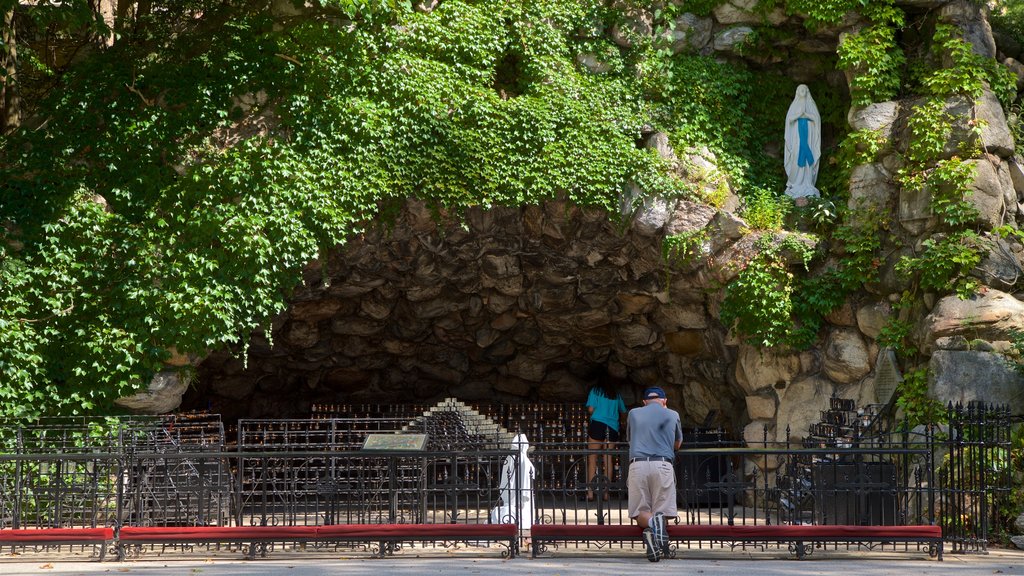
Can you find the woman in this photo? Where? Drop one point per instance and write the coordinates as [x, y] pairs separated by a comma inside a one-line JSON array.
[[605, 406]]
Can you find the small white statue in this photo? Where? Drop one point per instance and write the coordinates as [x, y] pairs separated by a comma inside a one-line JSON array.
[[803, 145], [516, 488]]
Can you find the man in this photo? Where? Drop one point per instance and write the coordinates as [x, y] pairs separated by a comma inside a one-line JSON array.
[[655, 434]]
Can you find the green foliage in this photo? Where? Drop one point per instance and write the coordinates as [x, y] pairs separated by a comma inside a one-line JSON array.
[[1015, 357], [1007, 17], [820, 214], [765, 211], [757, 303], [820, 12], [874, 57], [686, 247], [913, 400], [732, 111], [897, 335], [949, 182], [946, 263], [699, 7], [967, 73], [860, 245], [1015, 121], [184, 178], [947, 260], [819, 294], [860, 147], [1010, 506]]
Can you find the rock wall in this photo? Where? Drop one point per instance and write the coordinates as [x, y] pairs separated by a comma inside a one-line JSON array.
[[500, 304]]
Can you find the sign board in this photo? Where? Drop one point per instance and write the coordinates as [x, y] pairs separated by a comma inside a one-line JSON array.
[[395, 442]]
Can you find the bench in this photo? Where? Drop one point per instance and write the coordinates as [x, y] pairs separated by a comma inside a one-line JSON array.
[[385, 534], [101, 537], [799, 536]]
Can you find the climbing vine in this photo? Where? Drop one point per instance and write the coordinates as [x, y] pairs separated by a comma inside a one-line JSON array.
[[757, 305]]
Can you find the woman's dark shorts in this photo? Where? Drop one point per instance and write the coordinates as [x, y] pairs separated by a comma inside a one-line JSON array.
[[602, 432]]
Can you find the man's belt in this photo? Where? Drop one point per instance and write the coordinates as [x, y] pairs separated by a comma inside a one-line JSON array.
[[650, 459]]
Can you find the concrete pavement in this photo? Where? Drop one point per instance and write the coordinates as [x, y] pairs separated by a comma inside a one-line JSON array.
[[575, 563]]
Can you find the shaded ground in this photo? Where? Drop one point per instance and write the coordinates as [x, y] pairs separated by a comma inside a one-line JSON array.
[[575, 563]]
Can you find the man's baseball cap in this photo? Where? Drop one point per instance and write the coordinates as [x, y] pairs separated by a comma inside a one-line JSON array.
[[654, 392]]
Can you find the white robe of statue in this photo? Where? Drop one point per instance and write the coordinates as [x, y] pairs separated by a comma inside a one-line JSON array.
[[803, 145], [516, 508]]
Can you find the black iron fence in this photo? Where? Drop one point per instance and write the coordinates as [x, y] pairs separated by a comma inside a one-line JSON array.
[[181, 471]]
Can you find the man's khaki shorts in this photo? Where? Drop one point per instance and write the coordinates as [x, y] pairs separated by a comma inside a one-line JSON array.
[[652, 488]]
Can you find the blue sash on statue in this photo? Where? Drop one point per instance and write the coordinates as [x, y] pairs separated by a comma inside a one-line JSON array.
[[804, 157]]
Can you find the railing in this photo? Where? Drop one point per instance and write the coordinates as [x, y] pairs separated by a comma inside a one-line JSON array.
[[141, 472]]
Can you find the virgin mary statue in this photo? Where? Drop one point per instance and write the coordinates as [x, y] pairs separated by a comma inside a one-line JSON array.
[[803, 145]]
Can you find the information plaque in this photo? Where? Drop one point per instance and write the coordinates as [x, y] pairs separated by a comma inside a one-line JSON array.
[[395, 442]]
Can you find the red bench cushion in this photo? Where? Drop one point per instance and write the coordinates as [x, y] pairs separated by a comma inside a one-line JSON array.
[[587, 530], [214, 533], [337, 531], [439, 531], [708, 531], [56, 534]]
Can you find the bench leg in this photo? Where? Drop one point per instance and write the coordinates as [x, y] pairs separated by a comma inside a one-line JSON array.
[[799, 550]]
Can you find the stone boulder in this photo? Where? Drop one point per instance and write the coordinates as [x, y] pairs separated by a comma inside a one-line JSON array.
[[846, 356], [971, 18], [1015, 167], [967, 376], [757, 369], [746, 12], [161, 396], [730, 39], [995, 136], [757, 432], [700, 167], [801, 407], [872, 317], [698, 400], [1001, 267], [636, 24], [871, 186], [990, 315], [990, 190], [878, 117], [761, 407], [690, 33], [1017, 68], [593, 63]]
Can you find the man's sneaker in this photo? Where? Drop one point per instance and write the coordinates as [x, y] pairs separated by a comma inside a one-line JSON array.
[[660, 530], [652, 546]]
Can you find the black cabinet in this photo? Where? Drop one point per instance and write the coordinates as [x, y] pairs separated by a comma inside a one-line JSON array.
[[861, 494]]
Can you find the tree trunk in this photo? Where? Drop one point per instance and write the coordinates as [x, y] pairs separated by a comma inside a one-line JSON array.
[[105, 11], [10, 99]]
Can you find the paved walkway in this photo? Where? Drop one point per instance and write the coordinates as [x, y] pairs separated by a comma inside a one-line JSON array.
[[617, 563]]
